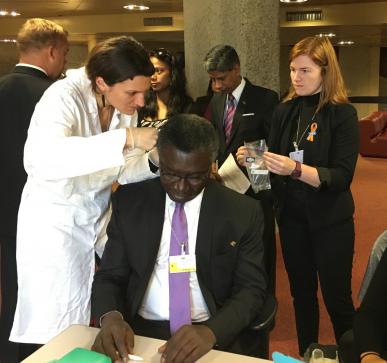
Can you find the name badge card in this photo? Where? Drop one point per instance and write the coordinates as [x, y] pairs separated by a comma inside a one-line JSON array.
[[297, 156], [182, 263]]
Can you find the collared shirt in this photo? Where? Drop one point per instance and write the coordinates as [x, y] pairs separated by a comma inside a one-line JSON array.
[[238, 91], [31, 66], [155, 305]]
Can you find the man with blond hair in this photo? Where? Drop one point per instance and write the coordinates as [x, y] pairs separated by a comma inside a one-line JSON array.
[[42, 47]]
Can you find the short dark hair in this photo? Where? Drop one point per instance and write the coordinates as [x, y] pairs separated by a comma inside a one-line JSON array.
[[221, 58], [118, 59], [187, 133]]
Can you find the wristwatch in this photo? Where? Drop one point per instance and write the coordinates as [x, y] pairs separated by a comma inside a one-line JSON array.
[[296, 173]]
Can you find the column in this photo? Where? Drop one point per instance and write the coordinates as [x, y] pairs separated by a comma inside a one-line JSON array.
[[250, 26]]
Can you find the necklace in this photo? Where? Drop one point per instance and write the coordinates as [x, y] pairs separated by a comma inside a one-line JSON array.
[[105, 112], [297, 141], [105, 119], [183, 244]]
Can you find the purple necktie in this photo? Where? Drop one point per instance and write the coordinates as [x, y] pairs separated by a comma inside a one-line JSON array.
[[179, 294], [228, 117]]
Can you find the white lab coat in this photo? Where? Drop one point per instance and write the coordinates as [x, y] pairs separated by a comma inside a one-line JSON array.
[[64, 209]]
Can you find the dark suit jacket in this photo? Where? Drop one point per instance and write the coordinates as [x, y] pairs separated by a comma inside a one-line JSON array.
[[19, 93], [251, 119], [334, 153], [370, 323], [231, 277]]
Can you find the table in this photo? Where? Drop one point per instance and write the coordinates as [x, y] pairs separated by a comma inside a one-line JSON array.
[[83, 337]]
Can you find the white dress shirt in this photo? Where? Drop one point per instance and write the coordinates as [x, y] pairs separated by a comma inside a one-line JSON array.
[[155, 305], [237, 95], [238, 91]]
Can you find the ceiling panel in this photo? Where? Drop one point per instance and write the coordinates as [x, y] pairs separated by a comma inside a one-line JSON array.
[[331, 2], [55, 8], [372, 35]]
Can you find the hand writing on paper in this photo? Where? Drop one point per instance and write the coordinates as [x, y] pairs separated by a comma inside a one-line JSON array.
[[115, 339]]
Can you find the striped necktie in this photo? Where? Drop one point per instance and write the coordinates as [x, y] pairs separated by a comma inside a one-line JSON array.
[[229, 115]]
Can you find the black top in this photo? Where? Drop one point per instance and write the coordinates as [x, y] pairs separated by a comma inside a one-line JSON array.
[[300, 129], [19, 93], [370, 325], [301, 124], [333, 152]]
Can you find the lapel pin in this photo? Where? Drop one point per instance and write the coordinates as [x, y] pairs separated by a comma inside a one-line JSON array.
[[233, 243]]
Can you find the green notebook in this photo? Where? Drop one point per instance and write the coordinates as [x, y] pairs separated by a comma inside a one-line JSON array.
[[80, 355]]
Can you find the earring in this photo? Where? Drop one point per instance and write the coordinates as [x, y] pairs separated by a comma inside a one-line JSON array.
[[103, 101]]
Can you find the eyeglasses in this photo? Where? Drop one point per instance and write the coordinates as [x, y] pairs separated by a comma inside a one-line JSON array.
[[191, 179]]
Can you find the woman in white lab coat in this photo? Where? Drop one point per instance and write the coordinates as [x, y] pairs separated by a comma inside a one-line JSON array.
[[82, 138]]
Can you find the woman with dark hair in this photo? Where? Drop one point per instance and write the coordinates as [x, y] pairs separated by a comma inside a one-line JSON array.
[[313, 149], [167, 95], [82, 138]]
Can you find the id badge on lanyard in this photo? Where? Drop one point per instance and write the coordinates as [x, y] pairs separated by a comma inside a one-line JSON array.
[[182, 263], [297, 155]]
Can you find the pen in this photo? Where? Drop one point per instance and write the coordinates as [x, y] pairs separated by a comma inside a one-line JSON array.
[[135, 358]]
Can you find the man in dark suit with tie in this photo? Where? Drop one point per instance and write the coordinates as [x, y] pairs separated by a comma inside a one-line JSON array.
[[221, 255], [43, 47], [241, 112]]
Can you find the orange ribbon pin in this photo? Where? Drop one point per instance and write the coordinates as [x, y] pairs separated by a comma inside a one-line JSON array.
[[312, 133]]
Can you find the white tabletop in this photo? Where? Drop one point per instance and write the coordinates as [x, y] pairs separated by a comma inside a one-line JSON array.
[[83, 337]]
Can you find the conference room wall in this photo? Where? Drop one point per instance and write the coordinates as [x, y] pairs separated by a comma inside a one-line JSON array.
[[10, 56], [360, 69], [360, 66]]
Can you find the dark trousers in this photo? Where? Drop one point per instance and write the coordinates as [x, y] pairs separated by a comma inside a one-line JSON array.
[[347, 351], [268, 236], [9, 352], [247, 342], [323, 255]]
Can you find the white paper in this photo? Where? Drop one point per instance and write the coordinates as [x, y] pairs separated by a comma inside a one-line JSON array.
[[233, 177]]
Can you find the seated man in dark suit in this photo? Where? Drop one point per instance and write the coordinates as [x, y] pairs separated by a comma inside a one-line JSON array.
[[157, 229]]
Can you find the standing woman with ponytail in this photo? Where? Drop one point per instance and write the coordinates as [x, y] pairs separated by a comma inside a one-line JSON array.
[[313, 149], [167, 95]]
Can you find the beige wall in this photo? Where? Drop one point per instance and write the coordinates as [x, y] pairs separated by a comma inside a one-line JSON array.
[[76, 57], [383, 92], [284, 69], [360, 67], [9, 56]]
